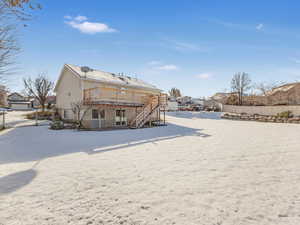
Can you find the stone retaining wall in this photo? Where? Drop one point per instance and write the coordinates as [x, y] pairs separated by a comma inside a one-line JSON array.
[[262, 110], [260, 118]]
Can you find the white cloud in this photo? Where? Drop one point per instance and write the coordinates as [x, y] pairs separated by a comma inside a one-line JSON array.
[[68, 17], [259, 26], [204, 76], [169, 67], [230, 25], [80, 23], [80, 18], [154, 63], [183, 46]]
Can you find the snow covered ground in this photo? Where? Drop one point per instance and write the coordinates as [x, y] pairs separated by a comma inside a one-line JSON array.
[[197, 170], [13, 118]]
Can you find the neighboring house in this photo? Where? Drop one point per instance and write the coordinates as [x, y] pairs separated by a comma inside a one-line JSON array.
[[185, 103], [17, 101], [197, 103], [184, 100], [3, 96], [172, 104], [108, 99], [221, 97], [212, 105], [288, 94]]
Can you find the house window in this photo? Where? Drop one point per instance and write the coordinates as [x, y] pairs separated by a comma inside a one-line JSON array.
[[65, 114], [95, 114], [102, 114], [121, 119]]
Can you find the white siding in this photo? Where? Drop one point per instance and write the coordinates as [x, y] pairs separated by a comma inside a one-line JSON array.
[[68, 90]]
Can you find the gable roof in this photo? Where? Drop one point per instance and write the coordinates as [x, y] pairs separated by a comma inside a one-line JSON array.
[[109, 78], [16, 93], [283, 88]]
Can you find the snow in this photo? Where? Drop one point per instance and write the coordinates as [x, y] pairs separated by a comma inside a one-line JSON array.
[[13, 118], [197, 170], [111, 78]]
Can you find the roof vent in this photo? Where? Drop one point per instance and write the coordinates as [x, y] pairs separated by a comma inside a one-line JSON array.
[[85, 69]]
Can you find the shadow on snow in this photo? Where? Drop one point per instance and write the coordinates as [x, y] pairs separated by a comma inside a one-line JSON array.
[[15, 181], [37, 143]]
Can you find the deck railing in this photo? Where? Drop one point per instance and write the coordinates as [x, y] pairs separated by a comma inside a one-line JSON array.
[[136, 97]]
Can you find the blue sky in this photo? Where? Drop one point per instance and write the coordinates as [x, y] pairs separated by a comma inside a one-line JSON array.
[[195, 46]]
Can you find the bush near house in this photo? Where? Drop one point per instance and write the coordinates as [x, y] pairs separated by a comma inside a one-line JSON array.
[[57, 125], [46, 115], [286, 114]]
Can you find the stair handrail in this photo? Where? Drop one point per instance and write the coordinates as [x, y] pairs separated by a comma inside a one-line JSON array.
[[147, 110]]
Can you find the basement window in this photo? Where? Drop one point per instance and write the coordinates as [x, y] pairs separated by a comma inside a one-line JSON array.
[[95, 114]]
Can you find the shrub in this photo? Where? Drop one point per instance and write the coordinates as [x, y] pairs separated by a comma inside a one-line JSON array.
[[286, 114], [46, 115], [57, 125]]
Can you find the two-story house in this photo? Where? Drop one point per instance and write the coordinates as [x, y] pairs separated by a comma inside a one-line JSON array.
[[17, 101], [108, 99]]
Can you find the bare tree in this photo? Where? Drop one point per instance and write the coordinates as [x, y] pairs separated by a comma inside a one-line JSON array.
[[8, 46], [240, 84], [80, 110], [11, 13], [175, 92], [264, 88], [40, 88], [18, 9]]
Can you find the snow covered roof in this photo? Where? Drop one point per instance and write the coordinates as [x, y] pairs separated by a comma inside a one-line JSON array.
[[283, 88], [111, 78], [2, 88]]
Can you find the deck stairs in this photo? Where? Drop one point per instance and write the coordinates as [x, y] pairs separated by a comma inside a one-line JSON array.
[[147, 112]]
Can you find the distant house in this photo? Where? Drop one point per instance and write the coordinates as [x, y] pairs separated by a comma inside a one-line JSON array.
[[222, 97], [172, 104], [198, 101], [17, 101], [287, 94], [184, 100], [108, 99], [3, 96], [212, 105]]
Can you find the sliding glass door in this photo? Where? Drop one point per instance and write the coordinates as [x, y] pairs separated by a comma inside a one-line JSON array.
[[121, 119]]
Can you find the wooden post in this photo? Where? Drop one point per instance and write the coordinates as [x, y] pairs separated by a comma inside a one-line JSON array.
[[164, 115], [36, 117], [159, 116], [3, 125]]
